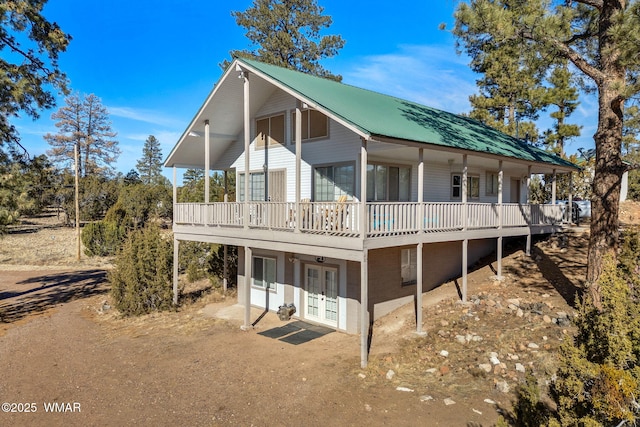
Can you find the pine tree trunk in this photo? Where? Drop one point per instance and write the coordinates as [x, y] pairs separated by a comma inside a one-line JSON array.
[[605, 203]]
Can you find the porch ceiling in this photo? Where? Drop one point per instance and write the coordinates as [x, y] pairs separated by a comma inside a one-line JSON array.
[[224, 110], [385, 150]]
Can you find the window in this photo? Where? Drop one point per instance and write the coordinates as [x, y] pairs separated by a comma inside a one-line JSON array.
[[270, 130], [264, 272], [473, 186], [315, 125], [388, 183], [492, 184], [331, 182], [277, 186], [256, 186], [409, 266]]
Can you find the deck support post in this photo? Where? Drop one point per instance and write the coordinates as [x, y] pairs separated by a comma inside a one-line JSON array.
[[465, 264], [247, 288], [298, 140], [176, 246], [247, 143], [364, 308], [419, 330], [527, 250], [207, 166]]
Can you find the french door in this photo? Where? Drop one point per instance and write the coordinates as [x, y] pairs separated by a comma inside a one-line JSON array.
[[321, 294]]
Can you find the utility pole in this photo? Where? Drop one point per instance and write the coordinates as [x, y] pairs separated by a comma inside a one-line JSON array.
[[75, 153]]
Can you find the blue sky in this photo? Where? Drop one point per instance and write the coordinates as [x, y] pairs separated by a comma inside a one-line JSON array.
[[153, 62]]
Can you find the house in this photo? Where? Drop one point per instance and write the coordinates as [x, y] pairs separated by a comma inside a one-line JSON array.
[[351, 203]]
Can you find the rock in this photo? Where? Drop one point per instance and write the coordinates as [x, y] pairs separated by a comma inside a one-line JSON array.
[[476, 338], [405, 389], [361, 375], [503, 387], [563, 322], [489, 401], [444, 353], [442, 333], [546, 319], [425, 398], [431, 371], [490, 302], [444, 370], [367, 407], [485, 367], [493, 358], [390, 374], [461, 339], [497, 370], [520, 367], [545, 295], [448, 401], [533, 345], [514, 301], [444, 323], [519, 312], [476, 411]]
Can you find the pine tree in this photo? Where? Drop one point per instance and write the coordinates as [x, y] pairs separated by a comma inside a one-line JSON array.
[[33, 43], [287, 33], [563, 95], [150, 165], [600, 38], [85, 122]]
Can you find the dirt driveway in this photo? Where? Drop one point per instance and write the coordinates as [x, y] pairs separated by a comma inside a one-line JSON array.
[[186, 368]]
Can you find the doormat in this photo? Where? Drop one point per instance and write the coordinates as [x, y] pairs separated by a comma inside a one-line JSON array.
[[296, 332]]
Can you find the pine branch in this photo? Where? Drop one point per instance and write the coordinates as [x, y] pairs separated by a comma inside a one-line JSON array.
[[598, 4]]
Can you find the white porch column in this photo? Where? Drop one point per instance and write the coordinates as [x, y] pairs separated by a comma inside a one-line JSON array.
[[570, 206], [207, 166], [419, 251], [226, 187], [364, 309], [175, 193], [364, 220], [553, 188], [465, 190], [176, 246], [247, 287], [298, 137], [528, 183], [247, 144], [500, 207], [421, 190]]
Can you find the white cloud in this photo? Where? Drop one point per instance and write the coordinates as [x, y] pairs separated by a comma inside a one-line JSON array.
[[432, 75], [142, 115]]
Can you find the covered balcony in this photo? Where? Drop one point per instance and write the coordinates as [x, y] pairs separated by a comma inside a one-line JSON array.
[[375, 221]]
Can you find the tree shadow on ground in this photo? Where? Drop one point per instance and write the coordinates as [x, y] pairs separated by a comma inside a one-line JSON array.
[[40, 293]]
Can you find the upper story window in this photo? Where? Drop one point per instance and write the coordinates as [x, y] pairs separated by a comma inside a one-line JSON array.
[[315, 125], [473, 186], [270, 130], [492, 184], [388, 183]]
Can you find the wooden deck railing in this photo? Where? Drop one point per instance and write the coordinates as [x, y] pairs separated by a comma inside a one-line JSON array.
[[383, 219]]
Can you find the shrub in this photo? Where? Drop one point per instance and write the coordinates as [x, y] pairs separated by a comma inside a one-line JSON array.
[[216, 264], [141, 281], [102, 238]]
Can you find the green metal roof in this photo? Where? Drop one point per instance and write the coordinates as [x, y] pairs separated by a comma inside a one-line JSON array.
[[381, 115]]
